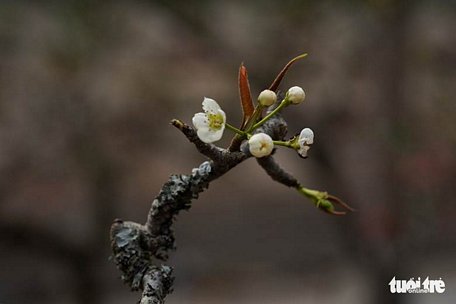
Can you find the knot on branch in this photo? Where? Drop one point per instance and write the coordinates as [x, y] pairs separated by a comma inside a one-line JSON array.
[[276, 127], [129, 242], [130, 251]]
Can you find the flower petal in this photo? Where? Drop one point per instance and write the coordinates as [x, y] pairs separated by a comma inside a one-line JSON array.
[[209, 136], [223, 115], [210, 105], [303, 151], [199, 120], [306, 137]]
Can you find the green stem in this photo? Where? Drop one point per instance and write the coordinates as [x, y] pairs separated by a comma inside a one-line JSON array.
[[312, 194], [283, 143], [283, 104], [256, 114], [235, 130]]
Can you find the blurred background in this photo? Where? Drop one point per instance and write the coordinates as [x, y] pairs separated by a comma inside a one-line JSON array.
[[87, 90]]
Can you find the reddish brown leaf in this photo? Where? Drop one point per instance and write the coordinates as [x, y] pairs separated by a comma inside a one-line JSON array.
[[275, 84], [244, 94], [338, 201]]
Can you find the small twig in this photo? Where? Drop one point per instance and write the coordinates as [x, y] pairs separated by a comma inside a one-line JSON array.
[[208, 150], [273, 169]]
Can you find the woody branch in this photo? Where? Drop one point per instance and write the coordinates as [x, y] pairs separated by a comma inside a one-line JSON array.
[[136, 248]]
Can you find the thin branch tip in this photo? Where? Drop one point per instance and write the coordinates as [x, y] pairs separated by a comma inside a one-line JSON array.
[[177, 123]]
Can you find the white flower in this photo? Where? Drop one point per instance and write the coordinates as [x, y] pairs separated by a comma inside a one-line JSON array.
[[306, 138], [267, 98], [260, 145], [296, 95], [210, 124]]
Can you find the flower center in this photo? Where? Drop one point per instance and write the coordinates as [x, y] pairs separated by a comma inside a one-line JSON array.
[[215, 121], [263, 145]]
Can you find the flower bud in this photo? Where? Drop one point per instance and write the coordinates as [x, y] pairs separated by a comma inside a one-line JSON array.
[[260, 145], [267, 98], [296, 95]]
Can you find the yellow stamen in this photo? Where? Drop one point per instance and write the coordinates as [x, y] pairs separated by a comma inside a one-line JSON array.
[[215, 121]]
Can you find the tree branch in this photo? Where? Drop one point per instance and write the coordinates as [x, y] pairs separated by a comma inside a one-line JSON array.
[[208, 150], [135, 246]]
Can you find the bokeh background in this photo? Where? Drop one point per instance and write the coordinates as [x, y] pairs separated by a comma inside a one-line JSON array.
[[87, 90]]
